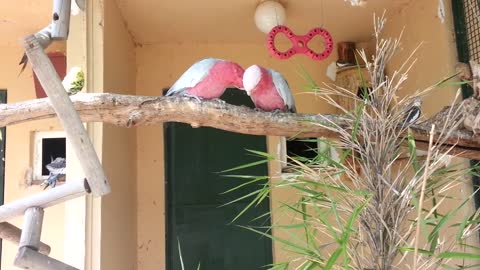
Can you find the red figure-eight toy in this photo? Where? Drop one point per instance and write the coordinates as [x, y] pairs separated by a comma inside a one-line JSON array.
[[299, 43]]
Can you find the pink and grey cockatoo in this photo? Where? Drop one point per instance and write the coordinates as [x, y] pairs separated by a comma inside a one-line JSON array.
[[208, 79], [268, 89]]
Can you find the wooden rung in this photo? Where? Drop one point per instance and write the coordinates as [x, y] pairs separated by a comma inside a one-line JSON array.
[[68, 116], [27, 258], [71, 189], [11, 233]]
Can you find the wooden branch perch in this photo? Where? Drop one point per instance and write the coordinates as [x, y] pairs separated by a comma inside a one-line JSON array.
[[130, 111], [76, 133]]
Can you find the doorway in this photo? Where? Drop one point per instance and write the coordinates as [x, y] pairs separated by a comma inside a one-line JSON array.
[[195, 217]]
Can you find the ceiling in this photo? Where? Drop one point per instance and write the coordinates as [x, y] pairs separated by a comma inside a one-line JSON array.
[[231, 21], [210, 21]]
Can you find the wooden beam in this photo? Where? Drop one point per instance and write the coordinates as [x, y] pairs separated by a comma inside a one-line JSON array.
[[12, 234], [76, 133], [44, 199], [131, 111], [27, 258]]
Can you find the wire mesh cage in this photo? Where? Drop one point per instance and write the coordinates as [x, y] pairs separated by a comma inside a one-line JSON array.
[[472, 20], [466, 15]]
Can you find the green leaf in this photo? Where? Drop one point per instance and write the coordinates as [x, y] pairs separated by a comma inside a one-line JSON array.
[[306, 76], [248, 165], [445, 219], [333, 258], [420, 251], [459, 255], [180, 254], [287, 243], [258, 179], [279, 266], [413, 152]]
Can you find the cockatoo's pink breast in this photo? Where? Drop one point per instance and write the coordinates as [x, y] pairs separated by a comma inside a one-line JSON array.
[[265, 95], [222, 75]]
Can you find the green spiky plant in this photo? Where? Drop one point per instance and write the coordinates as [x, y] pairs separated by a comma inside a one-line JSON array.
[[379, 205]]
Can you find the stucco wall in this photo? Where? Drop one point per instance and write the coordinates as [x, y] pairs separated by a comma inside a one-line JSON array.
[[118, 208], [18, 152], [158, 66], [436, 58]]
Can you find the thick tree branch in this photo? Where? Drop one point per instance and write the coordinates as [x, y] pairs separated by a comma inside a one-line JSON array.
[[130, 111]]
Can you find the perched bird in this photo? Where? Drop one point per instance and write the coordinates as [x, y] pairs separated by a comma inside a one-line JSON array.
[[44, 38], [57, 169], [74, 81], [268, 89], [413, 112], [208, 79]]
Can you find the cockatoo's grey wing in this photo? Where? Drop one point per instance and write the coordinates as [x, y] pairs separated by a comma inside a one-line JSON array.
[[283, 89], [194, 74]]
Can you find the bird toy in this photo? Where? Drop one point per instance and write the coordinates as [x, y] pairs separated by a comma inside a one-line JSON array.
[[300, 43]]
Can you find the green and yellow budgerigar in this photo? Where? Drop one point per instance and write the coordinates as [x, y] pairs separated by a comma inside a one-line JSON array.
[[74, 81]]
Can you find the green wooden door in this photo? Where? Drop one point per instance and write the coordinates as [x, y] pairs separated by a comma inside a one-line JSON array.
[[194, 157]]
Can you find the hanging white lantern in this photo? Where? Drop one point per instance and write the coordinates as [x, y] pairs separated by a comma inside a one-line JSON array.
[[268, 15]]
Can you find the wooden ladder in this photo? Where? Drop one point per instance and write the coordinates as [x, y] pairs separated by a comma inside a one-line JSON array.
[[32, 254]]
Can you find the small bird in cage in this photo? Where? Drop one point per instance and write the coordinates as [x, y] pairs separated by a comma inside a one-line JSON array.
[[413, 113], [57, 169]]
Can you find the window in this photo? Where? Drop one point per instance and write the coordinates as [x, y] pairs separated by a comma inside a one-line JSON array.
[[305, 150], [48, 145]]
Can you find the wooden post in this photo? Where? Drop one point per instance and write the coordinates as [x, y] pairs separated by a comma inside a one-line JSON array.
[[61, 19], [12, 234], [28, 256], [32, 228], [475, 67], [68, 116], [44, 199]]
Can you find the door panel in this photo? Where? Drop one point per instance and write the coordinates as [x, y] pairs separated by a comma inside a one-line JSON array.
[[195, 216]]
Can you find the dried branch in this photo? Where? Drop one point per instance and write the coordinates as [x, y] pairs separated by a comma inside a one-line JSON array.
[[130, 111]]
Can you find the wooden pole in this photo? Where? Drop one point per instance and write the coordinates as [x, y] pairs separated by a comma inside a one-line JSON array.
[[61, 19], [32, 228], [29, 259], [28, 256], [11, 233], [68, 116], [44, 199], [475, 68]]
